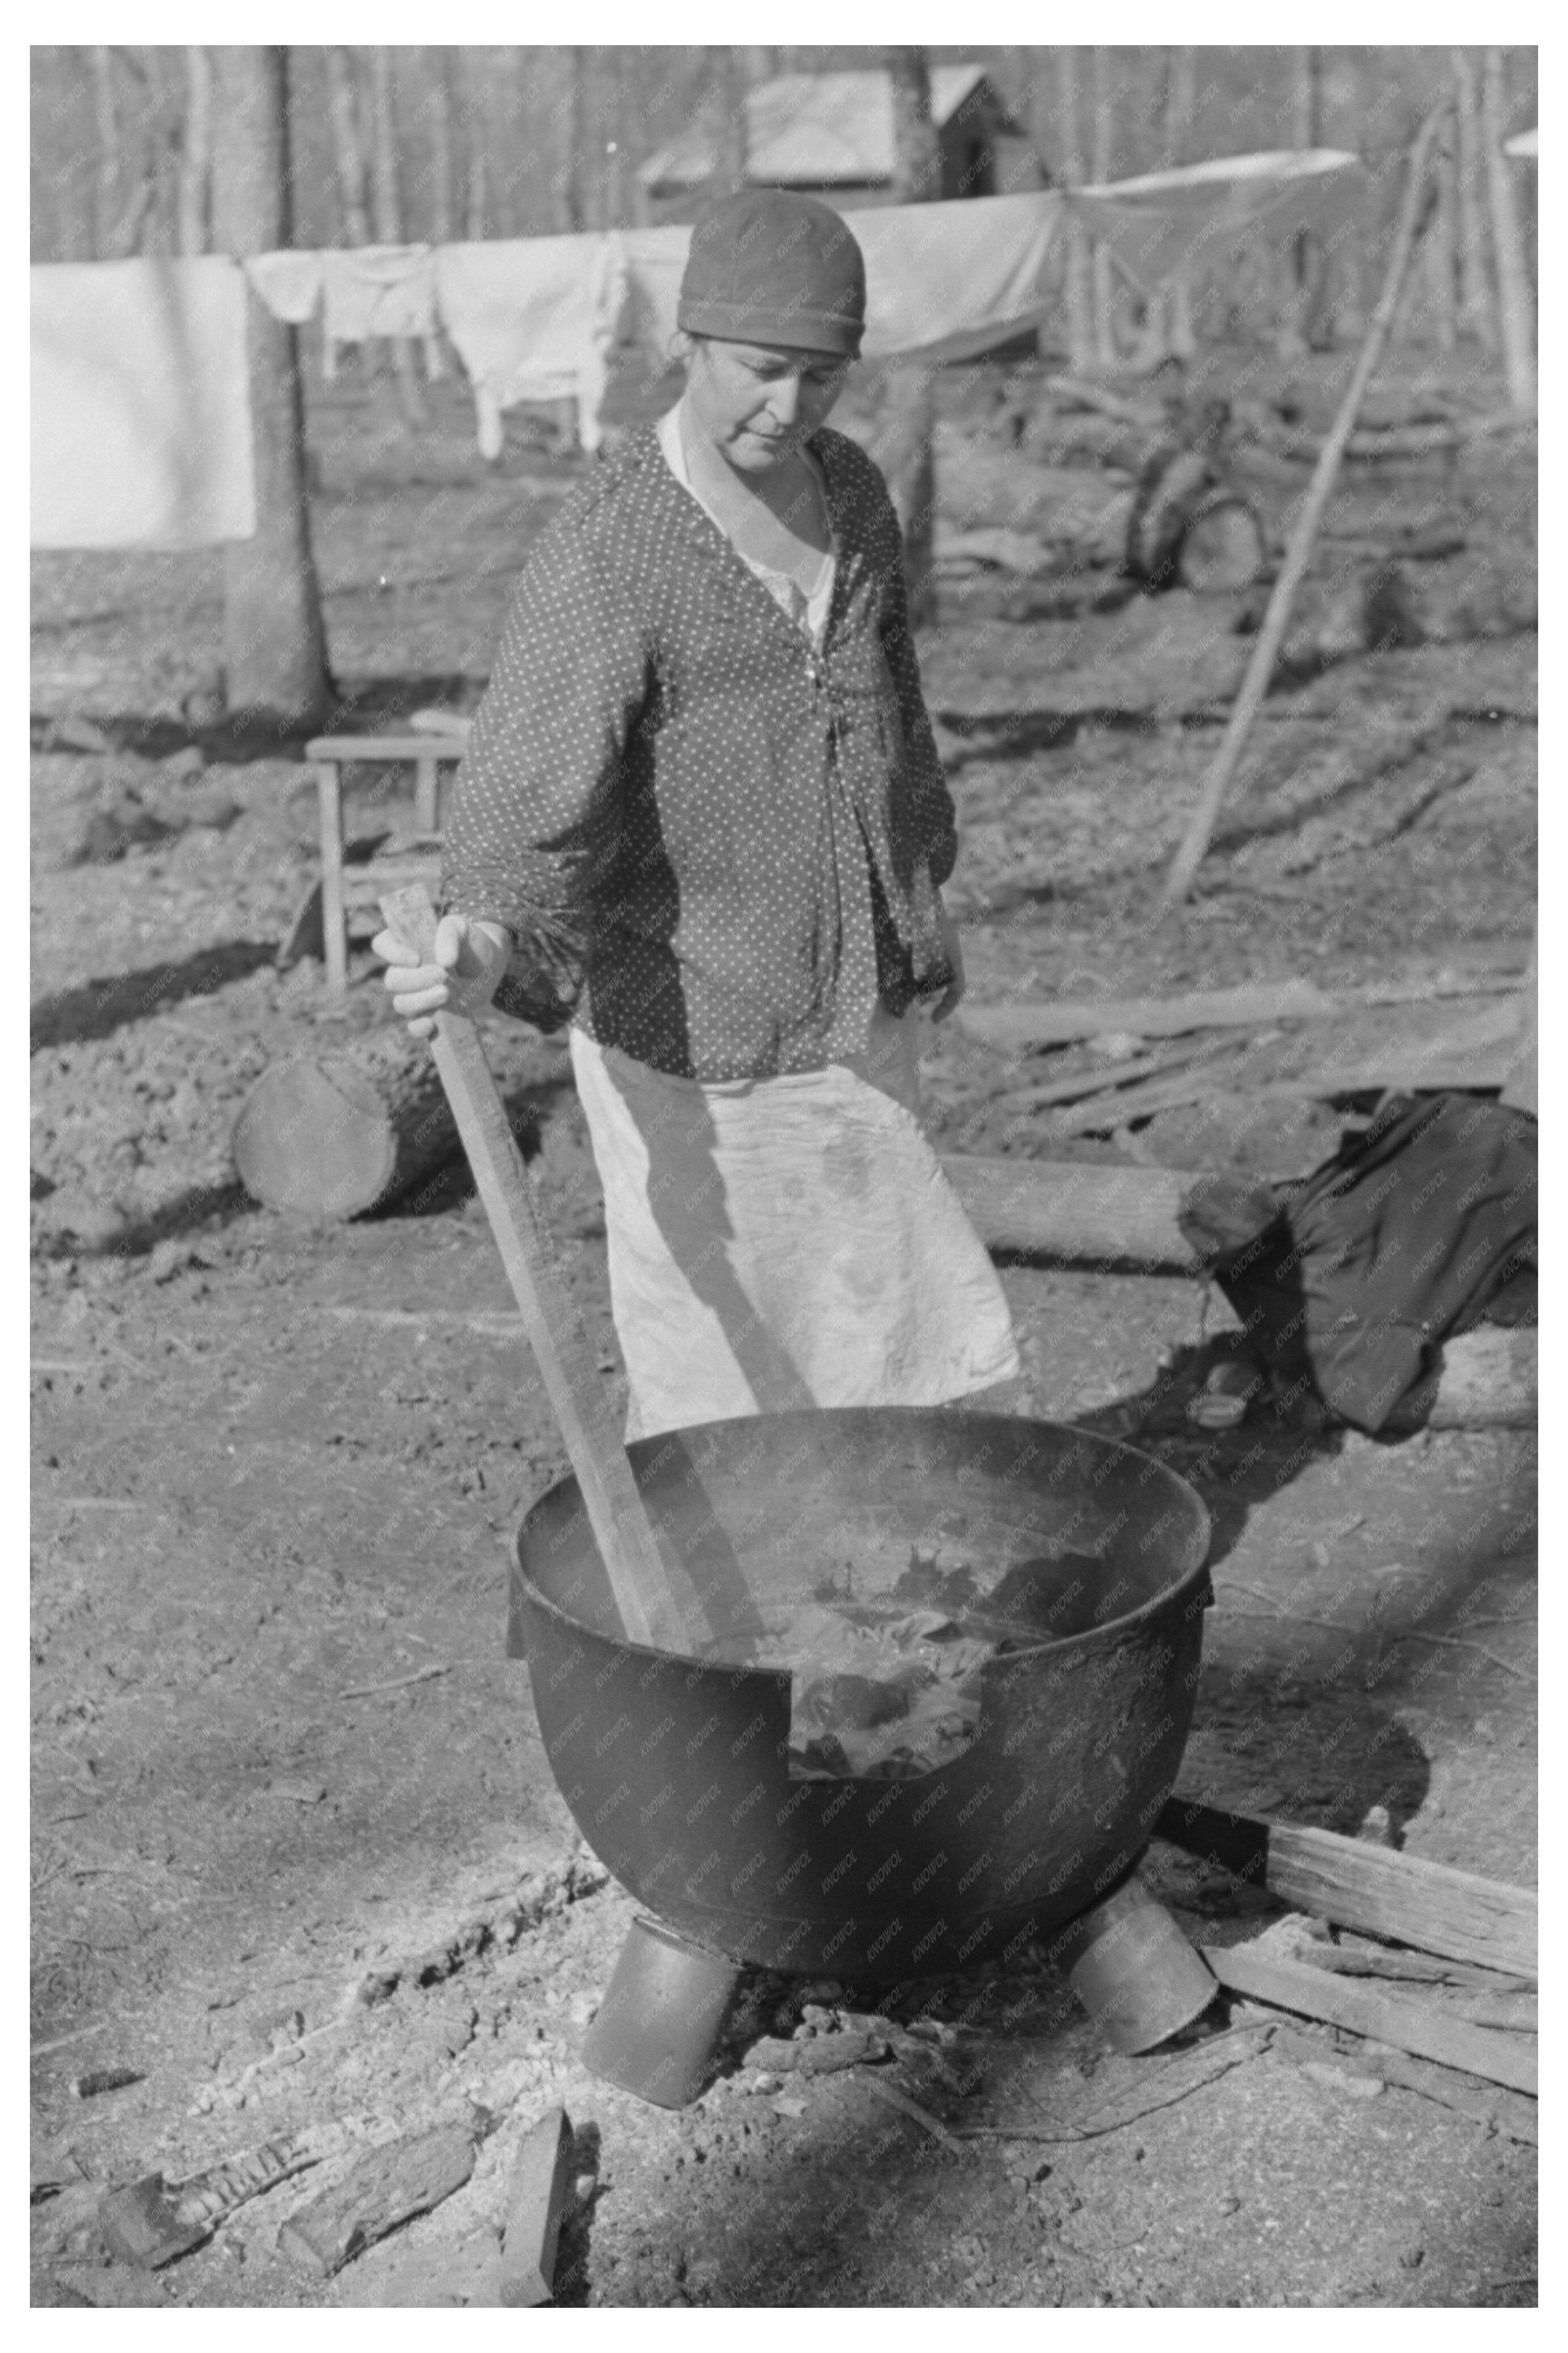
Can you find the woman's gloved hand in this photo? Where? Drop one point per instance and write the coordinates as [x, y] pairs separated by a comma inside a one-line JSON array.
[[470, 957]]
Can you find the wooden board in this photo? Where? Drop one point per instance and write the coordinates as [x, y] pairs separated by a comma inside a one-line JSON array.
[[387, 2187], [1017, 1028], [1358, 1885], [1419, 2027], [536, 2195]]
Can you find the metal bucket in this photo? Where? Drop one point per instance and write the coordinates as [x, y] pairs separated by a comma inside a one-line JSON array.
[[676, 1770]]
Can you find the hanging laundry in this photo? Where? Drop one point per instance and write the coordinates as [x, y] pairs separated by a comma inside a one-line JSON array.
[[140, 405], [373, 290], [289, 283], [1196, 218], [943, 280], [378, 290], [533, 319]]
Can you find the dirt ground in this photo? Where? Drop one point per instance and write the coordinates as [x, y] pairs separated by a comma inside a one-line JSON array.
[[298, 1861]]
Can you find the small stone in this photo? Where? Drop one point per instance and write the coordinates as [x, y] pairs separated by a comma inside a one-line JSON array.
[[1230, 2205], [791, 2108]]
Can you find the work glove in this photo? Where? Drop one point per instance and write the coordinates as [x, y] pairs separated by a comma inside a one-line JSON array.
[[470, 957]]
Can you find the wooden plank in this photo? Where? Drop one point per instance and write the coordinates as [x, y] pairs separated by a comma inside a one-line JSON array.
[[1018, 1029], [1067, 1210], [1408, 2025], [389, 2186], [638, 1577], [1372, 1888], [422, 746], [536, 2195], [333, 930], [1424, 1047]]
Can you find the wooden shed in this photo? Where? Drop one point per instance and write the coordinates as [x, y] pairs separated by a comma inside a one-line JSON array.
[[831, 135]]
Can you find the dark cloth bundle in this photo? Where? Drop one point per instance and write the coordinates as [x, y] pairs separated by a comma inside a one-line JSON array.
[[1406, 1237]]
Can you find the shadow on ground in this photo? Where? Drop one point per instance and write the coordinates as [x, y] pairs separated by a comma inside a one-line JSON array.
[[98, 1008]]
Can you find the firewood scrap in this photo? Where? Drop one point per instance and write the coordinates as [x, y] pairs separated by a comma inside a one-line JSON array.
[[1366, 1959], [535, 2198], [1371, 444], [1380, 1892], [1077, 1085], [1414, 1047], [1017, 1028], [138, 2225], [1419, 2028], [388, 2187], [1512, 2113]]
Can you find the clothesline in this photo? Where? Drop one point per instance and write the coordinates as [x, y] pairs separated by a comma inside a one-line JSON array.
[[536, 319], [139, 392]]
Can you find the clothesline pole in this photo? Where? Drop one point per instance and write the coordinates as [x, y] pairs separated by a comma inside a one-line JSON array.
[[1261, 668]]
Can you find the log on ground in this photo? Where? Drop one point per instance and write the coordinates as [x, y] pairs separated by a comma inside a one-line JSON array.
[[332, 1135], [1067, 1210]]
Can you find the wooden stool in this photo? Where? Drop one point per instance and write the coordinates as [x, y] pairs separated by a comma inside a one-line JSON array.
[[417, 862]]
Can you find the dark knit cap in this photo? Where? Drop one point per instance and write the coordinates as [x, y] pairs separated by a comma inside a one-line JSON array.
[[769, 267]]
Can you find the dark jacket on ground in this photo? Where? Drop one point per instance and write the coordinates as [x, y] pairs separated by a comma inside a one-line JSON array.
[[1406, 1237]]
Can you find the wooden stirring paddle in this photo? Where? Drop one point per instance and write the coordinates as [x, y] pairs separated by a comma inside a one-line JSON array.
[[638, 1577]]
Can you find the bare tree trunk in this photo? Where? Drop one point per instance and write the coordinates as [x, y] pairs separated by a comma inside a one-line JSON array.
[[616, 118], [732, 81], [1181, 106], [389, 215], [909, 411], [1442, 240], [106, 162], [348, 146], [141, 153], [476, 174], [1077, 287], [1513, 279], [1475, 313], [275, 653], [195, 152], [567, 121], [505, 141], [439, 103], [1292, 337], [1105, 350]]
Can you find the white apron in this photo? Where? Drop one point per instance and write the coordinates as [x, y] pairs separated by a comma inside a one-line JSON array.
[[789, 1241]]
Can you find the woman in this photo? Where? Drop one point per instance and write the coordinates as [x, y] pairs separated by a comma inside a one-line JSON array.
[[703, 813]]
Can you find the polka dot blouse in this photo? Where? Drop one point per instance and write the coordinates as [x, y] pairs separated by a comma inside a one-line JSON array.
[[647, 801]]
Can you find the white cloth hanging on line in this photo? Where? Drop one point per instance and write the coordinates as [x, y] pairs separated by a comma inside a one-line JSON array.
[[141, 430], [533, 319]]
